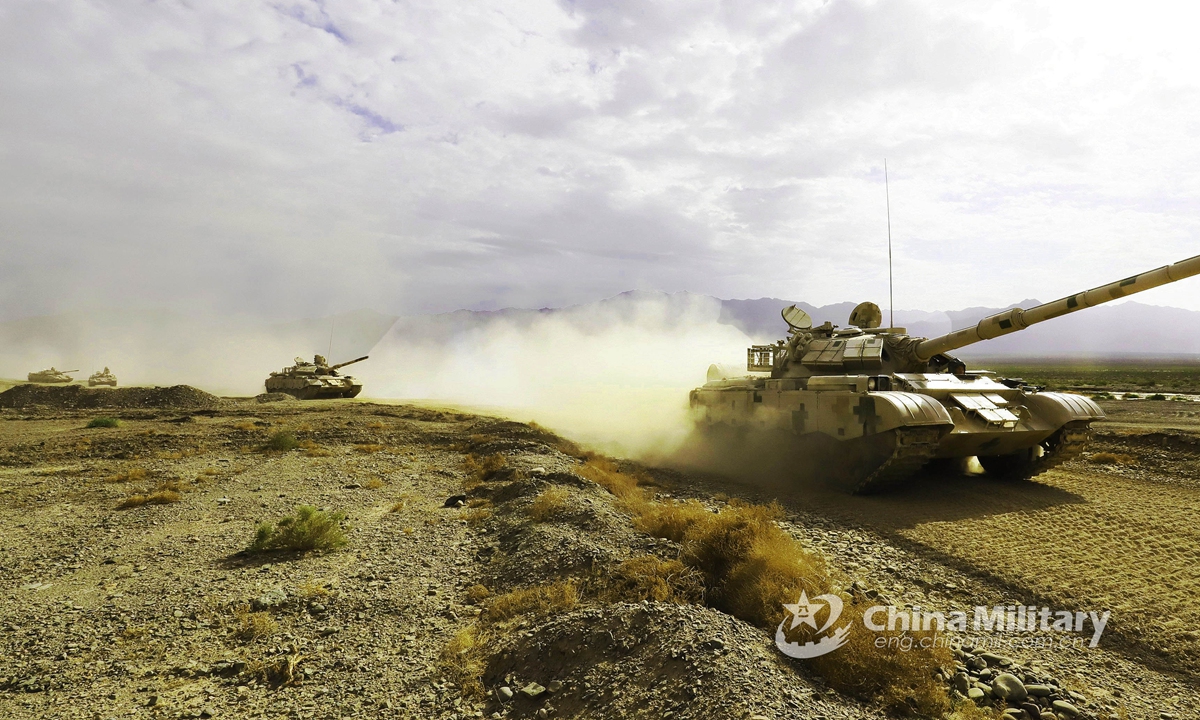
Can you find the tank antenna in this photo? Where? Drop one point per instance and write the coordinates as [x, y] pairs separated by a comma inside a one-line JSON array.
[[891, 298], [330, 350]]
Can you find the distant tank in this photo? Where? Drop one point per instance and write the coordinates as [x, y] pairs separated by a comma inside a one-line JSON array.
[[315, 380], [104, 377], [51, 376], [876, 405]]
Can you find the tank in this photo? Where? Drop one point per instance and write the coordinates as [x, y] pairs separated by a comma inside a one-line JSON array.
[[876, 405], [104, 377], [51, 376], [315, 380]]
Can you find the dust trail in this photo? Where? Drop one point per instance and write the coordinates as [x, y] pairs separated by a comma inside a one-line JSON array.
[[614, 375]]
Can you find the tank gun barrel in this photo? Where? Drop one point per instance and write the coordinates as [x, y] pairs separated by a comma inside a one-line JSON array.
[[1011, 321], [348, 362]]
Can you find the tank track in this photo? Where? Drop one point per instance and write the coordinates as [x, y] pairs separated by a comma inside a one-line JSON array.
[[911, 450], [1062, 446]]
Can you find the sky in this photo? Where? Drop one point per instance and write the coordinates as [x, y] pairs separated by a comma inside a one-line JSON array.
[[293, 159]]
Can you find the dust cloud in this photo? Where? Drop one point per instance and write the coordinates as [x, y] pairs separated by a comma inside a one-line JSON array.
[[614, 375]]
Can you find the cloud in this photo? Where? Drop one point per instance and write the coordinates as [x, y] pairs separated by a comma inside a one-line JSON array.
[[309, 157]]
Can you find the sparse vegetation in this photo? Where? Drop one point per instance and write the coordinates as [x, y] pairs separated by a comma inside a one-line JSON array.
[[1131, 396], [308, 529], [1109, 458], [1156, 396], [557, 597], [130, 475], [311, 449], [163, 494], [551, 503], [374, 484], [253, 625], [477, 516], [282, 441], [368, 448], [463, 659], [646, 577], [477, 593], [749, 567], [480, 470], [103, 422]]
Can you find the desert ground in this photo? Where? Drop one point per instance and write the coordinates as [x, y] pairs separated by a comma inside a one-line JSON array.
[[487, 569]]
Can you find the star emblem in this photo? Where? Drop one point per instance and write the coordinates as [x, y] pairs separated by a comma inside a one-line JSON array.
[[803, 611]]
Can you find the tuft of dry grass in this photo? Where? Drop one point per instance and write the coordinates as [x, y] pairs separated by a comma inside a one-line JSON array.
[[646, 577], [398, 506], [463, 659], [311, 449], [540, 600], [606, 474], [165, 493], [253, 625], [315, 588], [375, 425], [131, 475], [308, 529], [551, 503], [477, 594], [103, 422], [244, 426], [368, 448], [477, 516], [480, 470], [374, 484], [1108, 458]]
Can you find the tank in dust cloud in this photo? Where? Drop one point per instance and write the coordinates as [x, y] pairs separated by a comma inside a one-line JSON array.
[[51, 376], [315, 380], [875, 405], [104, 377]]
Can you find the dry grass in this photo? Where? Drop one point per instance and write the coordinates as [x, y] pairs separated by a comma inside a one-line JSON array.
[[477, 516], [244, 426], [311, 449], [368, 448], [646, 577], [477, 594], [253, 625], [165, 493], [540, 600], [463, 659], [129, 475], [315, 588], [308, 529], [374, 484], [209, 471], [103, 422], [1108, 458], [551, 503], [398, 506], [749, 567], [375, 425], [480, 470], [278, 672]]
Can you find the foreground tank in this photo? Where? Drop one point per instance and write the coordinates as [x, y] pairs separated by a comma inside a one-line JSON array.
[[315, 380], [51, 376], [880, 404], [104, 377]]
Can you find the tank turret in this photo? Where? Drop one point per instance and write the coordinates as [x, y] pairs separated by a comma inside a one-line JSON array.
[[103, 377], [895, 402], [315, 380]]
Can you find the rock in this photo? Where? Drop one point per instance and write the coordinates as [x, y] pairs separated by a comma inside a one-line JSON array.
[[994, 660], [207, 712], [532, 690], [554, 686], [961, 683], [224, 501], [272, 598], [976, 664], [1038, 690], [1065, 708], [504, 693], [1009, 688], [1031, 710], [975, 694]]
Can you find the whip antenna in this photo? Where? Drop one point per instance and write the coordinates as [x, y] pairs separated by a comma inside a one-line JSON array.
[[891, 299]]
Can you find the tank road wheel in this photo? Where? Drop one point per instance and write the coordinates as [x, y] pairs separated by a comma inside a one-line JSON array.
[[1064, 444]]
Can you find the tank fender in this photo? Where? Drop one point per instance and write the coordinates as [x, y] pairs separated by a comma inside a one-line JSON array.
[[1061, 408], [894, 409]]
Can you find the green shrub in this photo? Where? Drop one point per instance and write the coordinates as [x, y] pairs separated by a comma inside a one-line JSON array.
[[282, 441], [103, 422], [1131, 396], [308, 529], [1157, 396]]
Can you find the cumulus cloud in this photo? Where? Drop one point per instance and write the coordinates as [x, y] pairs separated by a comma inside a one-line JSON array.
[[305, 157]]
